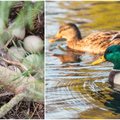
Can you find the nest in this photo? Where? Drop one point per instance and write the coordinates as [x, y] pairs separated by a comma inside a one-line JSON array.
[[25, 109], [38, 22]]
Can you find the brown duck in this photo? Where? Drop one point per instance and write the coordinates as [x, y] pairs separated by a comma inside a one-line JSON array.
[[94, 43]]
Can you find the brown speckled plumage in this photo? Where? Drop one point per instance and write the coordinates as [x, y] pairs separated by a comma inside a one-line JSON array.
[[94, 43]]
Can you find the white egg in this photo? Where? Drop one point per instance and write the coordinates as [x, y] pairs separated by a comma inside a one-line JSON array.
[[1, 43], [5, 36], [17, 31], [17, 53], [33, 44], [2, 25], [14, 68]]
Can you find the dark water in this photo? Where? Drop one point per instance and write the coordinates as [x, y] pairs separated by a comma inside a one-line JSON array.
[[78, 90]]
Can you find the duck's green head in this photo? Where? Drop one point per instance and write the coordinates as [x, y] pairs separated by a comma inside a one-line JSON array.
[[112, 54]]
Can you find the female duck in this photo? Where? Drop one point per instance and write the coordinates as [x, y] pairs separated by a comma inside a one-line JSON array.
[[112, 54], [94, 43]]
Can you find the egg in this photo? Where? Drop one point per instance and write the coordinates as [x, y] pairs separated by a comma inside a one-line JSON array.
[[33, 44], [14, 68], [1, 43], [2, 25], [34, 62], [5, 36], [17, 31], [17, 53]]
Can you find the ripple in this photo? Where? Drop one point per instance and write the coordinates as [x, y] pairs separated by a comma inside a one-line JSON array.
[[75, 90]]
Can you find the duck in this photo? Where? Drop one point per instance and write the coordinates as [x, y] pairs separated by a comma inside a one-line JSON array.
[[112, 54], [95, 43]]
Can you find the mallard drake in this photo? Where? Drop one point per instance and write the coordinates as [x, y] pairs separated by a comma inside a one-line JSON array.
[[94, 43], [112, 54]]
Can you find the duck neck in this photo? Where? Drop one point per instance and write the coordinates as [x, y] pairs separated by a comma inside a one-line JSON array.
[[74, 39], [72, 42]]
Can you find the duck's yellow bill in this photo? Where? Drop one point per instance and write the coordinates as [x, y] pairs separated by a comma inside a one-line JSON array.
[[98, 61], [57, 37]]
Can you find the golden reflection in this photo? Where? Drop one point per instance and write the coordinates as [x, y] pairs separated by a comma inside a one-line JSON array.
[[68, 57], [90, 17], [94, 15]]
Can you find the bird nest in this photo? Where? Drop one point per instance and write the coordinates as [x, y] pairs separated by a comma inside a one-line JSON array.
[[25, 109]]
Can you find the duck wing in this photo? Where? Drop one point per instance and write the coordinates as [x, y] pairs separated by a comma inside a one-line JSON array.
[[99, 41]]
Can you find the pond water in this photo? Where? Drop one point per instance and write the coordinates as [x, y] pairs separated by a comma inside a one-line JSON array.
[[78, 90]]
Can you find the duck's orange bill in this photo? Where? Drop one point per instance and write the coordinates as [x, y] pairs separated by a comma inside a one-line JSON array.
[[57, 37], [52, 40], [98, 61]]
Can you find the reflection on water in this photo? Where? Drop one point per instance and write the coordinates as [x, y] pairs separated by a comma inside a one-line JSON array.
[[74, 88]]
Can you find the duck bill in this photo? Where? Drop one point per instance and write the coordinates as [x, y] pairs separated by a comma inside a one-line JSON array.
[[57, 37], [99, 60]]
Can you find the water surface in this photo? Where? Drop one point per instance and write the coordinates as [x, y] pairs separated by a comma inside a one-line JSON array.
[[78, 90]]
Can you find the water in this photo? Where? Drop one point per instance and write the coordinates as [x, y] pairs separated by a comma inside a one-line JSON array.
[[78, 90]]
